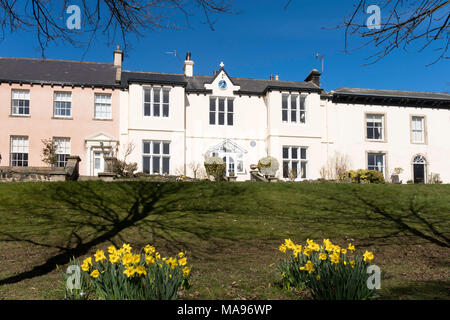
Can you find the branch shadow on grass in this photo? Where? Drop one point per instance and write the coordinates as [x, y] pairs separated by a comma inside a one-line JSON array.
[[93, 213], [393, 215]]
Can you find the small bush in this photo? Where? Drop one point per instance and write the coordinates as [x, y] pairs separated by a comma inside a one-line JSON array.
[[268, 166], [142, 276], [124, 169], [215, 167], [328, 271], [366, 176]]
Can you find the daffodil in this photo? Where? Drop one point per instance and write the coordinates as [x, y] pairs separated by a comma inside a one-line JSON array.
[[114, 258], [282, 248], [186, 271], [126, 247], [85, 267], [141, 270], [112, 249], [182, 261], [88, 261], [351, 247], [149, 249], [368, 256], [99, 255], [309, 266], [181, 255], [335, 258], [130, 271], [149, 260], [95, 274], [323, 256], [289, 244]]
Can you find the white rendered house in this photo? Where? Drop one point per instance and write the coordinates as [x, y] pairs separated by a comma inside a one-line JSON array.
[[176, 120]]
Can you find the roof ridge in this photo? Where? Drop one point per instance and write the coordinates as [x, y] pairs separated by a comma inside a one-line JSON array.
[[150, 72], [58, 60]]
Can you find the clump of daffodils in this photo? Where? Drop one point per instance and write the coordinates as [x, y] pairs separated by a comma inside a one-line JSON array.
[[122, 274], [327, 270]]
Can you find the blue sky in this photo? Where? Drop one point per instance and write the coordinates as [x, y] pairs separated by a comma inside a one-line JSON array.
[[262, 39]]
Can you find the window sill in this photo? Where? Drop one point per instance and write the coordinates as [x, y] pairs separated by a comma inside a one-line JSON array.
[[423, 143], [370, 140], [62, 118], [100, 119], [20, 116]]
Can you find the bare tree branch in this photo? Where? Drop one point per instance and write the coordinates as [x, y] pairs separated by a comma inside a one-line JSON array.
[[47, 18]]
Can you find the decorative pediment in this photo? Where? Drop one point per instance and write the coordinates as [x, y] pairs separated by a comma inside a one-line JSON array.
[[100, 136], [227, 146], [222, 85]]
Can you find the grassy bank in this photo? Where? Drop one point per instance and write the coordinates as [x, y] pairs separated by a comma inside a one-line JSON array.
[[231, 231]]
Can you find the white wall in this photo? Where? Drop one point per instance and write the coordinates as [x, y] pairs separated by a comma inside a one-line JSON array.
[[347, 132]]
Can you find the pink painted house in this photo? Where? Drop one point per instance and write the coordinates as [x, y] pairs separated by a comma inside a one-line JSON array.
[[75, 103]]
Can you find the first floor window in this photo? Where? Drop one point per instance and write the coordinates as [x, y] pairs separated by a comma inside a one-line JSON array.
[[62, 151], [294, 162], [293, 108], [102, 106], [20, 102], [156, 102], [376, 161], [221, 111], [418, 129], [156, 157], [375, 126], [19, 151], [63, 104]]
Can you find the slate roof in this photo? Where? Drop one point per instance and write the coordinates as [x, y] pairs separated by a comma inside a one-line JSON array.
[[197, 82], [391, 97], [57, 72], [393, 93]]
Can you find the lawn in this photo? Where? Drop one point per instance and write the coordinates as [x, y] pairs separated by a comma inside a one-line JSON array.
[[230, 231]]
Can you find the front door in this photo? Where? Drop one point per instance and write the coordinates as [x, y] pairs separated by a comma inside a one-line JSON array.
[[99, 163], [229, 163], [419, 173]]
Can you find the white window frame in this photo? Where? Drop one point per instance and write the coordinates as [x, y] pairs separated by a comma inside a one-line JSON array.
[[376, 167], [226, 113], [415, 130], [373, 117], [300, 108], [103, 101], [65, 100], [18, 95], [19, 145], [151, 103], [63, 150], [299, 159], [150, 155]]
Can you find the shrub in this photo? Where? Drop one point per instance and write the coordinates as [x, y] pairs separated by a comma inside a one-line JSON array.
[[215, 167], [328, 271], [434, 178], [366, 176], [124, 169], [142, 276], [268, 166]]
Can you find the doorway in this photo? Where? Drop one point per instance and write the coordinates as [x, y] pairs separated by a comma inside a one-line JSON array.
[[419, 169]]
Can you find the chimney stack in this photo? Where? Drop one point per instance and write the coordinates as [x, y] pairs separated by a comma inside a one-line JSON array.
[[118, 58], [188, 66], [271, 77], [314, 77], [276, 77]]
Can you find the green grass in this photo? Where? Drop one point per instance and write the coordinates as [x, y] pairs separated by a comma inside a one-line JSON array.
[[231, 232]]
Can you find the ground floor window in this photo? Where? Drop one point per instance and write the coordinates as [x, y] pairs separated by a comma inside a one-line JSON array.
[[376, 161], [62, 151], [19, 151], [156, 157], [232, 155], [295, 162]]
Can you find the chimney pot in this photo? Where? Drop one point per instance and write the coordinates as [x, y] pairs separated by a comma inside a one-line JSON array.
[[188, 66], [271, 77]]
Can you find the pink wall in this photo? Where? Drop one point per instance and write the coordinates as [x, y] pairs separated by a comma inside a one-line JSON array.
[[40, 123]]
